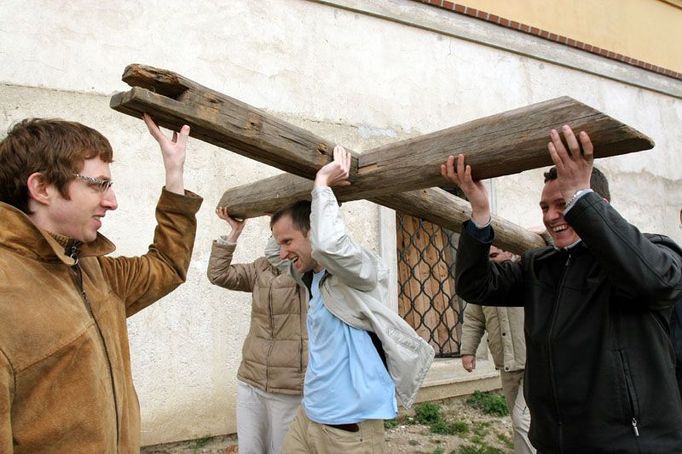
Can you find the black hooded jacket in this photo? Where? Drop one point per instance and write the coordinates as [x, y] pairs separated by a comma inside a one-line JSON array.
[[600, 364]]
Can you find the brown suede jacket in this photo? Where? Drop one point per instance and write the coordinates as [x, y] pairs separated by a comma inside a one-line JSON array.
[[65, 379], [275, 352]]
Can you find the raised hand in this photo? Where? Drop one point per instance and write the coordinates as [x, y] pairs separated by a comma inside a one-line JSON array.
[[574, 166], [173, 151], [236, 226], [474, 190], [335, 173]]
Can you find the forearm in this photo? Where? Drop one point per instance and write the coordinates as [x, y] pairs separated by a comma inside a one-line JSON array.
[[140, 281], [220, 270], [333, 249], [175, 180], [480, 281], [473, 329], [480, 214]]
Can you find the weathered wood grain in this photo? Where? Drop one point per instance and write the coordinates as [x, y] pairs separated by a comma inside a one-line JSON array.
[[433, 204], [173, 100], [444, 209], [500, 144]]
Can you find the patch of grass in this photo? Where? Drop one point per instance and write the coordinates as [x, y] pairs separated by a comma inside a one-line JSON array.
[[200, 443], [391, 423], [428, 413], [489, 403], [431, 414], [481, 428], [439, 450], [504, 438], [450, 428]]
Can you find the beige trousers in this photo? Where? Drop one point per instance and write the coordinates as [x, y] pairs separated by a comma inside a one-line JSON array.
[[512, 387], [308, 437], [263, 419]]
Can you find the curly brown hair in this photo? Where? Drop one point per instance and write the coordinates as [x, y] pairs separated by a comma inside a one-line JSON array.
[[55, 148]]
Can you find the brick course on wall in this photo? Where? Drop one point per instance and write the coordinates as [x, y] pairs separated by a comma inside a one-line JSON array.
[[507, 23]]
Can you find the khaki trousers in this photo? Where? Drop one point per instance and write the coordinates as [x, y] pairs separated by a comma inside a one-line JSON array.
[[263, 419], [308, 437], [512, 387]]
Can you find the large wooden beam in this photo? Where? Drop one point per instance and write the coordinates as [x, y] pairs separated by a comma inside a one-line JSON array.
[[437, 206], [432, 204], [500, 144], [173, 100]]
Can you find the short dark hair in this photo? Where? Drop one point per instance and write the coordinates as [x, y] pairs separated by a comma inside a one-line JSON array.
[[598, 181], [299, 213], [55, 148]]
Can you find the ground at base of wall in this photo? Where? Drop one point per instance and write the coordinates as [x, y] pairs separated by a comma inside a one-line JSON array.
[[467, 431], [223, 444]]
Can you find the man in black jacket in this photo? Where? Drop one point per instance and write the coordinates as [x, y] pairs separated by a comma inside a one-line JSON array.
[[600, 371]]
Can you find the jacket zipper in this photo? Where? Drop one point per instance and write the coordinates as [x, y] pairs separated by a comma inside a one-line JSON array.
[[302, 327], [272, 342], [549, 349], [630, 390], [78, 276]]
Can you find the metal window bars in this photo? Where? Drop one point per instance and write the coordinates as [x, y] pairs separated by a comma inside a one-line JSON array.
[[426, 284]]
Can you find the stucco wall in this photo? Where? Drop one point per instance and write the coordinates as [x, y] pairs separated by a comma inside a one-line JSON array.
[[351, 77]]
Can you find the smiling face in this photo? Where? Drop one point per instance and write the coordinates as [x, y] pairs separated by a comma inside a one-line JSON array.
[[80, 216], [553, 204], [294, 245]]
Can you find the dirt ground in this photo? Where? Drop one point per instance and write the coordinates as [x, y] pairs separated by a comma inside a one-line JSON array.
[[485, 434]]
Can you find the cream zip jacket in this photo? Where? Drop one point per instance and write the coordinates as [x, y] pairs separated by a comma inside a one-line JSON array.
[[355, 290]]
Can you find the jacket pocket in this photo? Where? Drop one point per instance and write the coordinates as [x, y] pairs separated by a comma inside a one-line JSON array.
[[632, 400]]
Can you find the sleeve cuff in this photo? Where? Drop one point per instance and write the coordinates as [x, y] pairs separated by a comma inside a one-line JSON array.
[[483, 235], [577, 196], [223, 241]]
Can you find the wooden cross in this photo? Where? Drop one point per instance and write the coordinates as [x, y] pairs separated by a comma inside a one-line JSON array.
[[400, 175]]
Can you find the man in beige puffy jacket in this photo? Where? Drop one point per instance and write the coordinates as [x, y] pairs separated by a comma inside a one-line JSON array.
[[275, 351], [508, 348]]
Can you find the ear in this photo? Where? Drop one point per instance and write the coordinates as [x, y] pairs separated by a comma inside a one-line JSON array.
[[38, 189]]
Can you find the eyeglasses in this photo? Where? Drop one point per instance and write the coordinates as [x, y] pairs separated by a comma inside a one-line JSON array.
[[101, 184]]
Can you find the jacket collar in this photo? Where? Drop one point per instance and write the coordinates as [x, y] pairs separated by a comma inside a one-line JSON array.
[[551, 251], [19, 234]]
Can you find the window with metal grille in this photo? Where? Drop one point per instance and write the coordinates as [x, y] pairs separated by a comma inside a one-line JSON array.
[[426, 284]]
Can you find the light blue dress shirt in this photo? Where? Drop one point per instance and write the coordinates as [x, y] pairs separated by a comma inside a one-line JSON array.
[[345, 382]]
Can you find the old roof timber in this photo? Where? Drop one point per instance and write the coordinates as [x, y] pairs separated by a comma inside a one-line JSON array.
[[432, 204], [500, 144]]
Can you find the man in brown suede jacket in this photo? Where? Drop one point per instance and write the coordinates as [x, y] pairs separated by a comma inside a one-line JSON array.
[[65, 379]]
